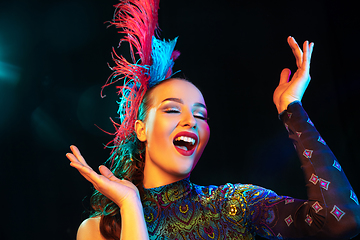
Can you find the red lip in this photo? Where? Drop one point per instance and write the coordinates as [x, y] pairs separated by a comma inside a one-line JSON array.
[[187, 134]]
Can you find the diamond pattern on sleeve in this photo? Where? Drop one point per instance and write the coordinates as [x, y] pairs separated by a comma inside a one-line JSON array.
[[337, 165], [337, 213], [289, 220], [321, 140], [324, 184], [354, 197], [317, 207], [308, 153], [308, 220]]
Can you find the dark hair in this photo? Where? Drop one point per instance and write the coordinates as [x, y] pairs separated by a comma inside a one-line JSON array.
[[128, 164]]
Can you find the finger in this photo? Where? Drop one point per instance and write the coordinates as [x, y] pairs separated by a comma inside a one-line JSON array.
[[284, 76], [95, 179], [311, 50], [296, 51], [76, 161], [306, 55], [308, 48], [72, 158], [106, 172], [78, 155], [76, 152], [82, 170], [86, 172]]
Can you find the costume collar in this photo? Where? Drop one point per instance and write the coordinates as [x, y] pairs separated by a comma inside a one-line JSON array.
[[169, 193]]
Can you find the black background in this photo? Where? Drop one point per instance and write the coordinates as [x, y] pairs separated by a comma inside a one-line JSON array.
[[53, 62]]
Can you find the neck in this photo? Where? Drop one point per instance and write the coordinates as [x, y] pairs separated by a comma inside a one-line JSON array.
[[154, 177]]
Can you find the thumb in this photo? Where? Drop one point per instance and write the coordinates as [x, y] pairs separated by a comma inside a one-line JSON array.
[[105, 172], [284, 76]]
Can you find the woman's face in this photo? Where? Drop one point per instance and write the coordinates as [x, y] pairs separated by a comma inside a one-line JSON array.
[[175, 132]]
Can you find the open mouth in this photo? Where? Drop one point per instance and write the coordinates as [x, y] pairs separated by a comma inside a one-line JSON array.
[[185, 143]]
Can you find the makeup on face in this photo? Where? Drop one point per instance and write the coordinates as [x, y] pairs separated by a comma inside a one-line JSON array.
[[173, 105], [176, 131], [185, 142]]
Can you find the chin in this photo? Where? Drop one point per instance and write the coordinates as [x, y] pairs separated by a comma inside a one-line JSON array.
[[183, 169]]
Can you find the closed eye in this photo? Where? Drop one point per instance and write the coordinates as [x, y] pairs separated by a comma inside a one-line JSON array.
[[200, 116], [172, 110]]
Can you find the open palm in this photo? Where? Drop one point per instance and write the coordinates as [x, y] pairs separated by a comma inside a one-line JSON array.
[[293, 90], [115, 189]]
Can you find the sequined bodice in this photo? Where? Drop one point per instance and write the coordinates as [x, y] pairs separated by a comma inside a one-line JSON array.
[[183, 210]]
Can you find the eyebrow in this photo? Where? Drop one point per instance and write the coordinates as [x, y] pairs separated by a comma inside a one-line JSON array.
[[197, 104]]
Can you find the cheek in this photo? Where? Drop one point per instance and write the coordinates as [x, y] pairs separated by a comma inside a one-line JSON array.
[[204, 132], [204, 135], [158, 132]]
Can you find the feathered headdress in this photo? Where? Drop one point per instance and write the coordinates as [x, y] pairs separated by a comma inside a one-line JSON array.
[[138, 19]]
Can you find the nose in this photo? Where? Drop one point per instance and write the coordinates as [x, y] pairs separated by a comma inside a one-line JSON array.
[[188, 120]]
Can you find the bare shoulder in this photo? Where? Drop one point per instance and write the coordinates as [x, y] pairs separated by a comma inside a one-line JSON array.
[[90, 230]]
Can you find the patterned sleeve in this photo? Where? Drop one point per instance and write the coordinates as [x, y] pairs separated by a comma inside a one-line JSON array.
[[332, 210]]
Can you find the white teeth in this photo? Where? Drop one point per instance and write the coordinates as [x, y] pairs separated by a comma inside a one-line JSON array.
[[185, 139]]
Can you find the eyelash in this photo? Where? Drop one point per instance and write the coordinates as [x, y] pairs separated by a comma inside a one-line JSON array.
[[172, 111], [178, 111], [202, 118]]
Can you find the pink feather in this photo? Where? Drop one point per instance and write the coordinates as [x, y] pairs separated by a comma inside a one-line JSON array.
[[138, 19]]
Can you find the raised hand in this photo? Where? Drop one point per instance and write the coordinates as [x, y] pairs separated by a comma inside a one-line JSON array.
[[293, 90], [119, 191]]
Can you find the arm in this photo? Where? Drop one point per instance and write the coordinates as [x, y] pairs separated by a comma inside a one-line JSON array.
[[121, 192], [332, 210]]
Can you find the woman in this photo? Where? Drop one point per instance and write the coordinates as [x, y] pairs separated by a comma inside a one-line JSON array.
[[178, 109], [171, 133]]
